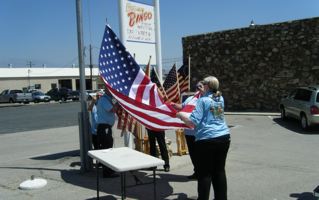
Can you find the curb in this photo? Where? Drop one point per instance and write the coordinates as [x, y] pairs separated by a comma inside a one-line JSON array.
[[253, 113]]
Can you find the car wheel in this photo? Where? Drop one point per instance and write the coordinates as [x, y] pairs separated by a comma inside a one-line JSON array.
[[63, 99], [304, 122], [283, 113], [11, 101]]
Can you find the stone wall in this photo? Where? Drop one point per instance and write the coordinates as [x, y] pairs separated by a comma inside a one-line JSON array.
[[258, 64]]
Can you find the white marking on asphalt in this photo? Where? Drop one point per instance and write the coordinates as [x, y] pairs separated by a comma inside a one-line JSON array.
[[270, 117]]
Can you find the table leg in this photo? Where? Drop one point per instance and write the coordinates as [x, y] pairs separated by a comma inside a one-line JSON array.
[[122, 185], [97, 181], [154, 182]]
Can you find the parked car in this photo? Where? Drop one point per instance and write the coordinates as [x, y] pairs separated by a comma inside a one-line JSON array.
[[58, 94], [39, 96], [15, 96], [74, 95], [303, 104]]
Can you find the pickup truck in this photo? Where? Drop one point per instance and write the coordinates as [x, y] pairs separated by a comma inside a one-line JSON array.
[[15, 96]]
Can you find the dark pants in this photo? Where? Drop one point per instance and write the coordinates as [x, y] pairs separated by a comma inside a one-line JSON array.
[[160, 137], [105, 141], [190, 140], [94, 141], [211, 156]]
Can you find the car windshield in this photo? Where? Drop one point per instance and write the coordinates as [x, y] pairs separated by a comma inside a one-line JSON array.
[[38, 93], [75, 92]]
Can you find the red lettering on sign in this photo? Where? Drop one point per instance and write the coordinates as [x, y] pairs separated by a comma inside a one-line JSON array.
[[136, 18]]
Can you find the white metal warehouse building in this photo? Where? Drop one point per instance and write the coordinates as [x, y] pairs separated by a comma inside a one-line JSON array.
[[46, 78]]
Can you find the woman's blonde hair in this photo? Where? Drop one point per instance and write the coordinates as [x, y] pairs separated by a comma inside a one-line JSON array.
[[213, 84]]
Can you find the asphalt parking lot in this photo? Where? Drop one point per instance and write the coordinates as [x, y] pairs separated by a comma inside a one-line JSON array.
[[268, 159]]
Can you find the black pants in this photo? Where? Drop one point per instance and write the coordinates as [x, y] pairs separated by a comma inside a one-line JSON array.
[[105, 141], [94, 141], [190, 140], [211, 156], [160, 137]]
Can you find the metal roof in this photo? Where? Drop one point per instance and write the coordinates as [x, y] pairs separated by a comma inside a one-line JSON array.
[[44, 72]]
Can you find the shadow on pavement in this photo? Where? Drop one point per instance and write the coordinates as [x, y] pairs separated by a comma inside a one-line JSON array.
[[303, 196], [294, 125], [58, 155], [112, 186]]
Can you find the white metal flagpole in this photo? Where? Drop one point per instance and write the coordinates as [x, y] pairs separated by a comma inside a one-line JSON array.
[[158, 39], [189, 72], [122, 16]]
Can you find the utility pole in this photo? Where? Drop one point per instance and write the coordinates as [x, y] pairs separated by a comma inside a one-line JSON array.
[[91, 67], [29, 64]]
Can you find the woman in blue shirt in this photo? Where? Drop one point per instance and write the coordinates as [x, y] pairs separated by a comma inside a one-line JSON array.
[[212, 140]]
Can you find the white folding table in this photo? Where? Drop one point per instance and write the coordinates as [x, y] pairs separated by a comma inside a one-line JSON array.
[[122, 160]]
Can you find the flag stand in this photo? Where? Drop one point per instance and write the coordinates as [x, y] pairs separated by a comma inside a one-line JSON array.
[[181, 142]]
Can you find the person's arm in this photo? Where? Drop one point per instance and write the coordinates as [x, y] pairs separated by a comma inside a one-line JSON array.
[[177, 106], [90, 107], [185, 119]]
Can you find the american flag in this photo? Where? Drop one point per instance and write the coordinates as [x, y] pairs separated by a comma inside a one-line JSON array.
[[132, 88], [171, 86], [155, 79], [183, 77]]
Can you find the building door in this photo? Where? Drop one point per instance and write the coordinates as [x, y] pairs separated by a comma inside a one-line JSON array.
[[88, 84], [65, 83]]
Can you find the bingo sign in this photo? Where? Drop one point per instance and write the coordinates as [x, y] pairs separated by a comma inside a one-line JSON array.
[[140, 31]]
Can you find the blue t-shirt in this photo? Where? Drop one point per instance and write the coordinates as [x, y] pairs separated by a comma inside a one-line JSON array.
[[104, 113], [208, 117]]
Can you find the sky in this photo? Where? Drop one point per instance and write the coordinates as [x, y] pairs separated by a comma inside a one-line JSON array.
[[45, 31]]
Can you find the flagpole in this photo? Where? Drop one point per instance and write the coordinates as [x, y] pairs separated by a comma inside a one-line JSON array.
[[179, 91], [158, 39], [86, 162], [189, 73], [122, 17]]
